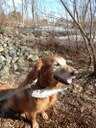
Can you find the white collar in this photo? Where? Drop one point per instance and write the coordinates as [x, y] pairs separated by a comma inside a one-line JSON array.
[[45, 93]]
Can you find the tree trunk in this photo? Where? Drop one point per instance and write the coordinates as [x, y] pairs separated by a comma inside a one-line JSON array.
[[14, 9], [88, 41]]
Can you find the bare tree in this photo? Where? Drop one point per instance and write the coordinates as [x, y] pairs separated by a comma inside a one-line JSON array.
[[88, 41], [2, 16], [26, 8], [33, 11], [14, 8], [22, 11]]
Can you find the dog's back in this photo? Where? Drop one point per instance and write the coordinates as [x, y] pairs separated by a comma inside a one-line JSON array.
[[50, 72]]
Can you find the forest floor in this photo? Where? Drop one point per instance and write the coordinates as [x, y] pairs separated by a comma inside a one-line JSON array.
[[75, 107]]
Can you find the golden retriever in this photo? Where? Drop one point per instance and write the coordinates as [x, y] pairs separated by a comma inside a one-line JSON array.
[[52, 72]]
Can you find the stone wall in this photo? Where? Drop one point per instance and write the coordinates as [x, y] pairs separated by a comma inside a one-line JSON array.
[[15, 55]]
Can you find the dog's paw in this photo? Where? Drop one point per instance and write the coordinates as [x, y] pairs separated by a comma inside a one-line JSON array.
[[44, 116], [36, 125], [23, 115]]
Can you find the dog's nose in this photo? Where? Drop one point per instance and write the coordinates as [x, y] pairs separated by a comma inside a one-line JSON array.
[[74, 73]]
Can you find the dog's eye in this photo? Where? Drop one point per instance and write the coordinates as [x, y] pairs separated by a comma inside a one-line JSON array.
[[56, 64], [69, 62]]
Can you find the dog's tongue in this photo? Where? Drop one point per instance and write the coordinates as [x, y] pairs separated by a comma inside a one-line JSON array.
[[69, 80]]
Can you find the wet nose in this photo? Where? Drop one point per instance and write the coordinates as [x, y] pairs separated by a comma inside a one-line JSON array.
[[74, 73]]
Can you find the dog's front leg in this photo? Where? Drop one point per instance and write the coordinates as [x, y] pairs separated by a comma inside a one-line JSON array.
[[44, 115], [34, 122]]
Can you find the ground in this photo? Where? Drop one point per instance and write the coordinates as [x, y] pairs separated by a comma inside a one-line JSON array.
[[75, 107]]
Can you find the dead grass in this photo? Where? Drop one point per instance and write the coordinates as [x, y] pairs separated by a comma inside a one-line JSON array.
[[75, 108]]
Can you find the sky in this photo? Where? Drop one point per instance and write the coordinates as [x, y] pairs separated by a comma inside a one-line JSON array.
[[52, 7]]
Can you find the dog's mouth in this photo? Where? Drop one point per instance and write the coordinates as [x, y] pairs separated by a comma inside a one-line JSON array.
[[66, 81]]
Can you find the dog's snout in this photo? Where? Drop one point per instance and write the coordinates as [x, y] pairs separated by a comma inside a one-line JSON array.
[[74, 73]]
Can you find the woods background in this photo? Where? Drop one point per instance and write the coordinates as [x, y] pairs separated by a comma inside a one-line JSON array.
[[30, 29]]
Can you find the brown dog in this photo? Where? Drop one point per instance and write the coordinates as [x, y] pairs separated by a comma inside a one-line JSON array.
[[51, 71]]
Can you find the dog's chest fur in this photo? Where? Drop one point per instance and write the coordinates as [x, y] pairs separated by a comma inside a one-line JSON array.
[[29, 104], [45, 103]]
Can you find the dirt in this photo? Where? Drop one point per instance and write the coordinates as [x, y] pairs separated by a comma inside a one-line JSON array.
[[75, 107]]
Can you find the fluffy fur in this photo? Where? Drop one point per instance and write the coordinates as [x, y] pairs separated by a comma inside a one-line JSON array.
[[51, 71]]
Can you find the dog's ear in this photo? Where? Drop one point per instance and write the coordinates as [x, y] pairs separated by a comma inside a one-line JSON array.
[[38, 68], [38, 65], [33, 74]]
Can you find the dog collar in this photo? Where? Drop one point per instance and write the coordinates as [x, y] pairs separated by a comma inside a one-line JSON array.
[[45, 93]]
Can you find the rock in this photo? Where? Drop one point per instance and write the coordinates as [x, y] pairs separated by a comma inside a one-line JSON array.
[[5, 45], [8, 59], [2, 58], [35, 57], [32, 58], [1, 41], [6, 69], [10, 47], [18, 53], [14, 60], [15, 67], [6, 53], [18, 50], [12, 52], [1, 36], [21, 61], [6, 39], [0, 66], [26, 54], [5, 72], [1, 49]]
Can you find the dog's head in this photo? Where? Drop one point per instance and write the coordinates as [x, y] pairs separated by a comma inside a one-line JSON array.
[[53, 70]]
